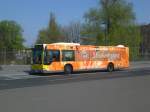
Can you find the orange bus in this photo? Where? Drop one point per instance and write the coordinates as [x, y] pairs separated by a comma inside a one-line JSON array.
[[70, 57]]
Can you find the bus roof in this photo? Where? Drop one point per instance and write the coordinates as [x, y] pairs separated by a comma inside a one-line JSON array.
[[77, 44], [64, 43]]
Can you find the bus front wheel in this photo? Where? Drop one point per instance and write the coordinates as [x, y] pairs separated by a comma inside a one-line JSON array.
[[68, 69], [110, 67]]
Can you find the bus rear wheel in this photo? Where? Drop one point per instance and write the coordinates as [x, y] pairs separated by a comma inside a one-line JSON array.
[[68, 69], [110, 67]]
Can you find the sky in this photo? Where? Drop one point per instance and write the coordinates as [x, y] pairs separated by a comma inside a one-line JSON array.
[[33, 15]]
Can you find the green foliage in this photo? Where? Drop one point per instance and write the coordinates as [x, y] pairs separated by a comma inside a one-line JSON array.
[[113, 23], [51, 34], [10, 35]]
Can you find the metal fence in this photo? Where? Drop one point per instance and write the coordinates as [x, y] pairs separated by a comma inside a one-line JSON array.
[[16, 57], [142, 54]]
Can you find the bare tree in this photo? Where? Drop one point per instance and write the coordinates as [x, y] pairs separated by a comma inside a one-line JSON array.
[[72, 32]]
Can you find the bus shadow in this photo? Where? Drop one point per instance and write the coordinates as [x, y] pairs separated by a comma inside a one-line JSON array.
[[74, 73], [1, 68], [43, 74]]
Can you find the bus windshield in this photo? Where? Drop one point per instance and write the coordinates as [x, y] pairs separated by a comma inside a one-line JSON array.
[[37, 56]]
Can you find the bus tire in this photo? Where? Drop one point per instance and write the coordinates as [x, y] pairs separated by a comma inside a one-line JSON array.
[[68, 69], [110, 67]]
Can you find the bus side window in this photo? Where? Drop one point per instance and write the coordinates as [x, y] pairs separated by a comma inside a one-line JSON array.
[[56, 55], [68, 55], [52, 56]]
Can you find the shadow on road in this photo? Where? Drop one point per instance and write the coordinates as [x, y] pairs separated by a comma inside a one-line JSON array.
[[60, 78], [74, 73], [1, 68]]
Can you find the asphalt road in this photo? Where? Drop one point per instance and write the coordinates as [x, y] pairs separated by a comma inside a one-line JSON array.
[[120, 91]]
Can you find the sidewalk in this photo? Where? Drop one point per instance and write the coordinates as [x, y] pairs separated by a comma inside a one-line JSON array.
[[13, 72], [139, 64], [14, 68]]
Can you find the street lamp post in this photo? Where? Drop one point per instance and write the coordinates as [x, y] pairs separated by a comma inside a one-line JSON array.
[[104, 27]]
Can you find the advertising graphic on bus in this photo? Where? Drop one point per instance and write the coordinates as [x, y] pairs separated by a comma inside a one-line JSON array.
[[70, 57]]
